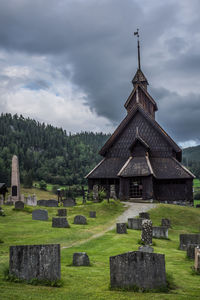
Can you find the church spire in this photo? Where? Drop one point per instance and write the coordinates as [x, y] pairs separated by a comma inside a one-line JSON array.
[[138, 45], [139, 76]]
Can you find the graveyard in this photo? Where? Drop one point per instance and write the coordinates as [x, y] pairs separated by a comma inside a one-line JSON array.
[[95, 238]]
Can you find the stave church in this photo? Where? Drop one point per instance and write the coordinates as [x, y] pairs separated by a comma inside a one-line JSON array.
[[140, 160]]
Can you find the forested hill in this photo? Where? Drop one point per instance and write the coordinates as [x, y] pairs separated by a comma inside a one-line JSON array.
[[46, 152], [191, 159]]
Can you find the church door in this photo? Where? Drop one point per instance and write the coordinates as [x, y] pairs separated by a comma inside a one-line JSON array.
[[135, 187]]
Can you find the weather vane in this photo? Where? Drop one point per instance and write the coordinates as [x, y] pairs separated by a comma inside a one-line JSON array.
[[138, 41]]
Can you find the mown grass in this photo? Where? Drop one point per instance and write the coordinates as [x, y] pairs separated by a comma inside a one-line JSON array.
[[93, 282]]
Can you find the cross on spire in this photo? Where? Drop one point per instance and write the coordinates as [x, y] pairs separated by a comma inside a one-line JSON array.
[[138, 44]]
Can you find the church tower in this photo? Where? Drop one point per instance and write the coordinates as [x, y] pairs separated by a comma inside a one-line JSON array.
[[140, 160]]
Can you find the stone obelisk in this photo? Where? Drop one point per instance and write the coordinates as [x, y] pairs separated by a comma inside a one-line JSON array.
[[15, 180]]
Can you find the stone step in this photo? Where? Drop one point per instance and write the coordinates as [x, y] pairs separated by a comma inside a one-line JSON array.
[[140, 200]]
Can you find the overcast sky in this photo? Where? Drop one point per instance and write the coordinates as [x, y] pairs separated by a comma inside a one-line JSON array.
[[70, 62]]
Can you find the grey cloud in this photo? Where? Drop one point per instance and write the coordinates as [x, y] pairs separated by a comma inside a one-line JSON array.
[[96, 39]]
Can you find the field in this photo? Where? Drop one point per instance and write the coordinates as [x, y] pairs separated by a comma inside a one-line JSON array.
[[92, 282]]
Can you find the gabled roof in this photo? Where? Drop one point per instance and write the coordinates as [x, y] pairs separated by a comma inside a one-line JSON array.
[[135, 166], [125, 122], [145, 92], [138, 139], [139, 77]]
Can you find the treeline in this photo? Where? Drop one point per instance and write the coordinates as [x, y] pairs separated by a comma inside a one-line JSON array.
[[191, 159], [46, 152]]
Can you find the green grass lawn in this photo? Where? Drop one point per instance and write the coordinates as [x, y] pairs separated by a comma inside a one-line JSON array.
[[92, 282]]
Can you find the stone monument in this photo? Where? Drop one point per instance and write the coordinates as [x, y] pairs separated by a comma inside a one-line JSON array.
[[147, 232], [15, 180]]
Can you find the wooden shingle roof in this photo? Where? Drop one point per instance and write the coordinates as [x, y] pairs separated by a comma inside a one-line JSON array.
[[126, 121], [135, 166], [169, 168]]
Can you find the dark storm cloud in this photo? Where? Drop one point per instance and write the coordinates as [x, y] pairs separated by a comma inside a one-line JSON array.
[[95, 38], [179, 115]]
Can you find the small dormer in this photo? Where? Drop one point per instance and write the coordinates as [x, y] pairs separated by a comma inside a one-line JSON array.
[[139, 147]]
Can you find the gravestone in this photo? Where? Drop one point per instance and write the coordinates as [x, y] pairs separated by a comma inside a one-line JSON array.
[[69, 202], [51, 203], [9, 203], [31, 200], [95, 191], [19, 205], [134, 223], [41, 202], [92, 214], [60, 222], [144, 215], [81, 220], [81, 259], [15, 180], [40, 215], [197, 259], [35, 262], [137, 269], [166, 223], [160, 232], [62, 212], [146, 248], [191, 250], [186, 239], [112, 191], [121, 228], [146, 236]]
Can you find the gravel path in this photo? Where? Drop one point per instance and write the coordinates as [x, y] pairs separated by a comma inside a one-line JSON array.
[[133, 210]]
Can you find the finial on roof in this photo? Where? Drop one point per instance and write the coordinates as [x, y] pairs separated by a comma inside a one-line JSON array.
[[138, 44]]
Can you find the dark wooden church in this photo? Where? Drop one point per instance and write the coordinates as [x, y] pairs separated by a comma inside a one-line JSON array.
[[140, 159]]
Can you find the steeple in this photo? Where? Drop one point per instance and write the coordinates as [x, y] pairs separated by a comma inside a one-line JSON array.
[[139, 76]]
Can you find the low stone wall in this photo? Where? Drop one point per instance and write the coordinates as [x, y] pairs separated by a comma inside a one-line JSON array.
[[141, 269]]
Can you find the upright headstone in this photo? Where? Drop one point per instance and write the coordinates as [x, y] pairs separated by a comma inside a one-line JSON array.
[[42, 202], [31, 200], [40, 215], [80, 259], [160, 232], [113, 191], [166, 223], [52, 203], [19, 205], [81, 220], [69, 202], [60, 222], [62, 212], [95, 192], [144, 215], [186, 239], [197, 259], [191, 250], [92, 214], [137, 269], [146, 248], [15, 180], [121, 228], [147, 232], [134, 223], [35, 261]]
